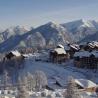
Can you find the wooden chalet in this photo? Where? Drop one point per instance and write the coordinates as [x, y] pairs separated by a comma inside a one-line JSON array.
[[89, 46], [58, 55], [71, 49], [13, 59], [13, 54], [86, 59]]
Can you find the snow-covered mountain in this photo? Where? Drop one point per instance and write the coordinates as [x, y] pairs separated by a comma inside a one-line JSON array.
[[80, 29], [35, 40], [12, 31], [53, 33], [49, 34], [93, 37]]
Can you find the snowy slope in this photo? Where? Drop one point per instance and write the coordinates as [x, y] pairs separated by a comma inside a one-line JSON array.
[[56, 72], [92, 37], [12, 31], [53, 33], [80, 29], [53, 71]]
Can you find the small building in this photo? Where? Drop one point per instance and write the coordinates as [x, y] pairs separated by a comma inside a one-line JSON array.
[[86, 59], [71, 49], [13, 54], [13, 59], [84, 83], [58, 55], [89, 46]]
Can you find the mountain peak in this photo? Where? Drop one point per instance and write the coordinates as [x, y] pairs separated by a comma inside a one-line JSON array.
[[90, 23], [50, 23]]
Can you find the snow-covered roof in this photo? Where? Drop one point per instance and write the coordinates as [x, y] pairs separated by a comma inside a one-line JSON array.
[[60, 51], [16, 53], [85, 83], [60, 46], [93, 44], [75, 46]]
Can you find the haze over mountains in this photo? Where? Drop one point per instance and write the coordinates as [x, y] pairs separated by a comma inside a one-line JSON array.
[[48, 34]]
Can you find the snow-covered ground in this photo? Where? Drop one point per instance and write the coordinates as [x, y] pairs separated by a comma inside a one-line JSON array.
[[56, 72], [53, 71]]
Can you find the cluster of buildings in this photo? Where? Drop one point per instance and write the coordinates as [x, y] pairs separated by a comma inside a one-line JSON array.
[[62, 53], [87, 57], [84, 55]]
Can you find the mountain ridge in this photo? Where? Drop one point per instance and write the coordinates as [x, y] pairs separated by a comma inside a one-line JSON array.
[[47, 34]]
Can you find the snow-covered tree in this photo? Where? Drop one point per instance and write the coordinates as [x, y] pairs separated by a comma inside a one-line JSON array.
[[41, 79], [22, 90], [72, 90], [25, 81], [31, 81], [6, 80]]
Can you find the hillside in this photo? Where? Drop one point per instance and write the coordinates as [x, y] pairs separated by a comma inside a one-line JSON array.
[[79, 29]]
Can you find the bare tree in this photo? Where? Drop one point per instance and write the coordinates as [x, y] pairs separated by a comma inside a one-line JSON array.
[[41, 80], [6, 80], [72, 90], [22, 91], [31, 81]]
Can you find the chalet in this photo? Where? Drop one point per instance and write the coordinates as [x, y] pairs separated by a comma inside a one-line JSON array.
[[13, 54], [58, 54], [13, 59], [93, 45], [71, 49], [86, 59], [90, 46], [84, 83]]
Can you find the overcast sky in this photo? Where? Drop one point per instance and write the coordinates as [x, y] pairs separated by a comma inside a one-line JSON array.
[[37, 12]]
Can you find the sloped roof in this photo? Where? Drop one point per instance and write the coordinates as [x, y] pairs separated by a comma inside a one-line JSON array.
[[93, 44], [75, 46], [16, 53], [59, 51], [85, 83], [60, 46]]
